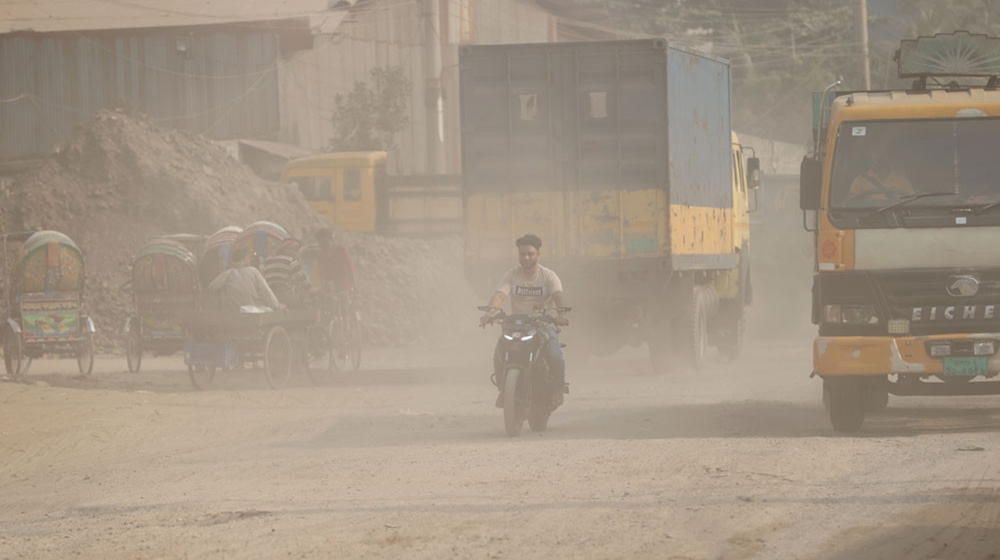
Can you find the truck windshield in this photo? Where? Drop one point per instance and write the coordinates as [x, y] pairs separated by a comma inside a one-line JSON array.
[[878, 162]]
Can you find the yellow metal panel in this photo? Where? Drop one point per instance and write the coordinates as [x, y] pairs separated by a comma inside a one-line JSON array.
[[325, 208], [355, 215], [700, 230], [599, 216], [834, 248], [487, 236], [587, 224], [315, 164], [853, 355], [877, 355], [607, 224], [727, 283], [644, 227]]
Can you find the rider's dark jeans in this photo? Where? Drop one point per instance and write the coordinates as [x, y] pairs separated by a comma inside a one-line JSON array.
[[551, 353]]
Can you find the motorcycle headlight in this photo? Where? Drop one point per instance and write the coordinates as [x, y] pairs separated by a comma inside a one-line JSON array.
[[850, 314]]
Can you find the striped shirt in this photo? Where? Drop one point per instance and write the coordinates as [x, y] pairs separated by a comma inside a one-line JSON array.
[[285, 276]]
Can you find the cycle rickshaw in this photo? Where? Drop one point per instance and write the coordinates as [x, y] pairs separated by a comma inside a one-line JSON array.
[[44, 297], [164, 283]]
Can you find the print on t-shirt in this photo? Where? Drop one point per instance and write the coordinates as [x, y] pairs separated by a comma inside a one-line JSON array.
[[531, 291]]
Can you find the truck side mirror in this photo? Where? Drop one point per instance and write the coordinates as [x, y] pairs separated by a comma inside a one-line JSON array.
[[753, 172], [810, 183]]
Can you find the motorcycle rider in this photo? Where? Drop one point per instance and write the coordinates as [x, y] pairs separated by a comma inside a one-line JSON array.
[[532, 287]]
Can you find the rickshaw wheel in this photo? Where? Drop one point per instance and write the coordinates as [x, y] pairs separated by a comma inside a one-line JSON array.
[[319, 345], [353, 335], [338, 344], [277, 357], [85, 355], [133, 351], [12, 354], [201, 376]]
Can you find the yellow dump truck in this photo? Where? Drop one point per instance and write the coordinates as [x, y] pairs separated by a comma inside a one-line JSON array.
[[620, 156], [903, 193], [355, 193]]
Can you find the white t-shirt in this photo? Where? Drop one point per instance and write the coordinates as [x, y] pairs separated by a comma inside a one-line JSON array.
[[529, 292]]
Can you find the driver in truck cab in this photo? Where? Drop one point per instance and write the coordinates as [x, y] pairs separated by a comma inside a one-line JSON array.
[[885, 178], [531, 287]]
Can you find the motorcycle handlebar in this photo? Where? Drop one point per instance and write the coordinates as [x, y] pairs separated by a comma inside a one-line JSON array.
[[542, 315]]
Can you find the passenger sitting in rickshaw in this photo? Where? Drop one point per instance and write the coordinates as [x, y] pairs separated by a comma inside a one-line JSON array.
[[242, 287], [286, 276]]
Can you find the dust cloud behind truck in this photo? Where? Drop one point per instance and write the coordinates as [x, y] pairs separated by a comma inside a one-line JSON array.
[[620, 155]]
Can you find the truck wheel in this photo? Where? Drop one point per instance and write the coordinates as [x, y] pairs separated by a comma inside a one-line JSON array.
[[847, 405], [876, 394], [732, 342], [734, 315], [690, 330]]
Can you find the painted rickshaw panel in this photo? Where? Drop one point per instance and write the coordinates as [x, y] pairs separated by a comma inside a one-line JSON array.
[[50, 262], [165, 281], [50, 316], [50, 273], [215, 255], [262, 238]]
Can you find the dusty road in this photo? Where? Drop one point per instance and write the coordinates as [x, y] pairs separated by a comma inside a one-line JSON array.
[[407, 459]]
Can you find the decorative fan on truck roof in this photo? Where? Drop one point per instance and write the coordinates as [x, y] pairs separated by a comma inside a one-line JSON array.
[[949, 55]]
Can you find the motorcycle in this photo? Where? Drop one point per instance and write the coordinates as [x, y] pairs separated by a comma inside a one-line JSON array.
[[527, 386]]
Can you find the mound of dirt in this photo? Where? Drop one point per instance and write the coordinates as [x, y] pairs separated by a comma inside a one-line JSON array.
[[122, 180]]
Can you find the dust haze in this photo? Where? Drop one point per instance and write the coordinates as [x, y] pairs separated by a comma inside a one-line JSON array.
[[406, 457]]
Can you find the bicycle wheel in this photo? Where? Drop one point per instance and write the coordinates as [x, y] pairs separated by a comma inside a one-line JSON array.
[[353, 339], [319, 355], [277, 357], [85, 355], [339, 353]]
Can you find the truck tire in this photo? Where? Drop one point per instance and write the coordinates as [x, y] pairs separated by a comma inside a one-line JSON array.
[[731, 343], [733, 313], [876, 393], [690, 330], [847, 403]]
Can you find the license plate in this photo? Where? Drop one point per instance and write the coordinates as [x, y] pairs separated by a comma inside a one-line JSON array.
[[965, 366]]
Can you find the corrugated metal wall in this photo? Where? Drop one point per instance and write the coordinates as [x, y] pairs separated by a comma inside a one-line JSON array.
[[221, 84], [391, 33]]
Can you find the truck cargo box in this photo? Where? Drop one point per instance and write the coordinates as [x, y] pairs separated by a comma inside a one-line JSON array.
[[616, 151]]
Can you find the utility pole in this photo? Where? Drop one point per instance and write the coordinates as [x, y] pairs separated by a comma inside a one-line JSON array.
[[863, 31], [433, 101]]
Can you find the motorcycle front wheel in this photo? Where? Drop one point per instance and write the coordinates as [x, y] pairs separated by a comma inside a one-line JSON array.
[[513, 402]]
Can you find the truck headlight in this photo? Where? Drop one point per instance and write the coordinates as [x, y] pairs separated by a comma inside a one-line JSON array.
[[899, 326], [850, 314], [985, 348], [940, 349]]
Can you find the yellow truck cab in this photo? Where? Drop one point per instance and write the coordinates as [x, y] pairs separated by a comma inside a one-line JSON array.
[[353, 191], [905, 190]]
